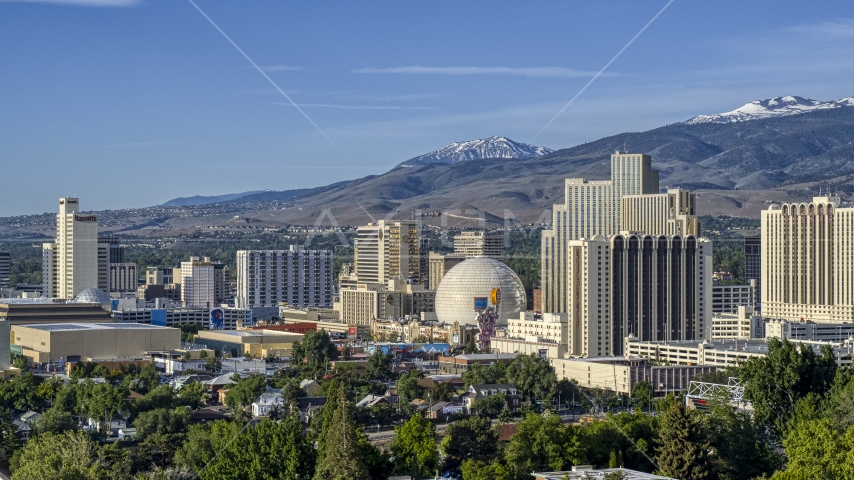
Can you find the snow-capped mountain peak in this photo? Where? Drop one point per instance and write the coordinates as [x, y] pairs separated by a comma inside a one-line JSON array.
[[772, 107], [492, 147]]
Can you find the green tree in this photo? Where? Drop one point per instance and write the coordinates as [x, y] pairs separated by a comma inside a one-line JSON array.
[[378, 462], [378, 366], [148, 379], [683, 450], [443, 391], [741, 447], [9, 438], [340, 458], [191, 395], [469, 438], [533, 377], [480, 375], [414, 447], [642, 394], [314, 351], [213, 364], [478, 470], [490, 406], [265, 451], [202, 443], [59, 456], [470, 347], [22, 393], [245, 391], [54, 420], [539, 444], [408, 388], [818, 449], [19, 361], [162, 421], [775, 382], [156, 450]]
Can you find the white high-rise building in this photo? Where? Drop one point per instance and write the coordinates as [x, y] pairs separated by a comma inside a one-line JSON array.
[[386, 250], [198, 283], [70, 265], [302, 278], [808, 261], [590, 208]]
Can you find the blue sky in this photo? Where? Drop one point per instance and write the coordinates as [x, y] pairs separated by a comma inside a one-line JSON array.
[[130, 103]]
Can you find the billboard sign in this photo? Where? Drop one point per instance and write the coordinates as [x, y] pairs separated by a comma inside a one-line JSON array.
[[480, 303], [217, 319]]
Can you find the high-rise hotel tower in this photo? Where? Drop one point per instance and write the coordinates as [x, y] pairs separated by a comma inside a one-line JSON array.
[[629, 201], [70, 265], [808, 261]]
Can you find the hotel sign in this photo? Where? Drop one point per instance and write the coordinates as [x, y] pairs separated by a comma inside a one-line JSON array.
[[85, 218]]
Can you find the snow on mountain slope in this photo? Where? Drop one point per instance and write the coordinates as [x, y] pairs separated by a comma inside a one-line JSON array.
[[773, 107], [492, 147]]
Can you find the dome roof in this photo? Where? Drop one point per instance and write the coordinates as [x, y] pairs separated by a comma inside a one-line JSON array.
[[475, 278], [94, 295]]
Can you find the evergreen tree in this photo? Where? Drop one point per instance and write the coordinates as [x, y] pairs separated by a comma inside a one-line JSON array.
[[683, 452], [414, 447], [469, 438], [341, 457]]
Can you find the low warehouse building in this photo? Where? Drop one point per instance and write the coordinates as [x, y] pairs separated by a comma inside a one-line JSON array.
[[257, 343], [75, 342]]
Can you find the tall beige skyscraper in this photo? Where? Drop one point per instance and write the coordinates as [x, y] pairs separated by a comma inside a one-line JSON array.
[[590, 208], [70, 265], [808, 261], [386, 250]]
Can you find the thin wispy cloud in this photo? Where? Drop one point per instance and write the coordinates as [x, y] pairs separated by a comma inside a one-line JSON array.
[[356, 107], [542, 72], [82, 3], [843, 28], [280, 68]]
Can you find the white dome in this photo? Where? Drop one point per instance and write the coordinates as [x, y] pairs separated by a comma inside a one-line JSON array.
[[94, 295], [475, 278]]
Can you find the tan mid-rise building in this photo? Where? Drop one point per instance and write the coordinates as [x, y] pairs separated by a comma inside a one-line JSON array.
[[479, 244], [386, 250]]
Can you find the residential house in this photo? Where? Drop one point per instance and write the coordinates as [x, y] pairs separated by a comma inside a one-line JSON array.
[[114, 425], [371, 400], [26, 422], [444, 410], [311, 387], [127, 434], [218, 383], [309, 407], [271, 399], [476, 392]]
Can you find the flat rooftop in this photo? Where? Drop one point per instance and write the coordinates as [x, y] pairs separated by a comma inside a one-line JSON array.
[[68, 327]]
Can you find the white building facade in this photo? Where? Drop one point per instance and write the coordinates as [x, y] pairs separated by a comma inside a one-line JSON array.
[[198, 283], [302, 278]]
